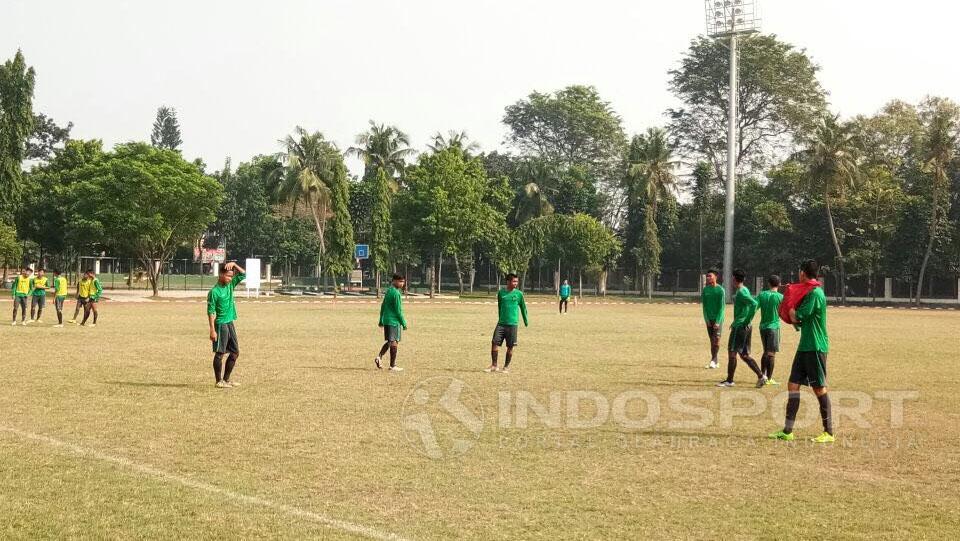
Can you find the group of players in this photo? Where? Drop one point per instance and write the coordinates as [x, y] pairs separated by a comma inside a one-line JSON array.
[[36, 285], [808, 316]]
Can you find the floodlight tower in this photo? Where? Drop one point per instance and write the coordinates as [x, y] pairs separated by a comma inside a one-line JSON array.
[[730, 19]]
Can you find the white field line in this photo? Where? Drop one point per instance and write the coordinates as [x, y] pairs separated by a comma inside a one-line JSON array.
[[289, 510]]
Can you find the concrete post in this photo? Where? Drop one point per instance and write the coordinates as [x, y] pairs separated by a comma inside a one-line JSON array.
[[888, 289], [216, 268]]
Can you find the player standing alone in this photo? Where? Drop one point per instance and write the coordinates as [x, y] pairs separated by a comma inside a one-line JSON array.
[[510, 304], [392, 320], [769, 301], [741, 330], [60, 295], [38, 296], [221, 313], [713, 298], [20, 288], [564, 297], [810, 362]]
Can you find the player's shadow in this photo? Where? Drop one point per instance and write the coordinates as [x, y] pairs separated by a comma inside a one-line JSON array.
[[146, 384], [356, 368], [457, 370], [672, 383]]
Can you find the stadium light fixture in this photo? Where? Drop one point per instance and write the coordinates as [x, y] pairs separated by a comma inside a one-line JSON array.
[[728, 20]]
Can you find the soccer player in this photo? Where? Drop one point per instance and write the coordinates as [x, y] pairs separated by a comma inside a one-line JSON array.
[[83, 296], [20, 288], [392, 320], [564, 296], [810, 362], [60, 295], [38, 295], [769, 301], [95, 290], [221, 313], [744, 308], [509, 303], [713, 299]]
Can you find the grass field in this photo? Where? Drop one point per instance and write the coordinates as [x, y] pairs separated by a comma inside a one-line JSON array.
[[117, 431]]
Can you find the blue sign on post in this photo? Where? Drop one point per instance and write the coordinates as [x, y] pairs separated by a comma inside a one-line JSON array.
[[361, 251]]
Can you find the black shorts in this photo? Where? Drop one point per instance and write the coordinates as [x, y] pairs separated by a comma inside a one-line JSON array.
[[391, 333], [82, 301], [38, 300], [770, 339], [58, 303], [226, 339], [505, 333], [740, 338], [809, 368]]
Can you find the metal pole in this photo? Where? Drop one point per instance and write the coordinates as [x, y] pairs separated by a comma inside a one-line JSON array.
[[731, 170]]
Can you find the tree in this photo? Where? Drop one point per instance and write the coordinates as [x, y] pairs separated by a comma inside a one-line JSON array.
[[382, 147], [581, 240], [11, 251], [142, 201], [573, 126], [166, 129], [47, 138], [381, 226], [243, 218], [939, 149], [16, 125], [314, 175], [454, 139], [779, 97], [42, 216], [650, 178], [445, 208], [832, 168]]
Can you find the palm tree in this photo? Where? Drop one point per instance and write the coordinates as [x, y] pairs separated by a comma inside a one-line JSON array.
[[382, 147], [650, 177], [454, 139], [832, 167], [940, 145], [538, 181], [312, 167]]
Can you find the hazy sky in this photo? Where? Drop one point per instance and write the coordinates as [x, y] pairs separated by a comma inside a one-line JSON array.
[[243, 73]]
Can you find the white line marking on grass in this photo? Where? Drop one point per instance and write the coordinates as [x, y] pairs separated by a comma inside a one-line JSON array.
[[333, 523]]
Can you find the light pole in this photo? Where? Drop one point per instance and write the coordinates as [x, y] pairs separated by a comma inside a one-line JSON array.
[[729, 19]]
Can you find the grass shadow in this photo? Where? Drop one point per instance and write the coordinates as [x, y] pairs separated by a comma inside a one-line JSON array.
[[147, 384], [356, 368]]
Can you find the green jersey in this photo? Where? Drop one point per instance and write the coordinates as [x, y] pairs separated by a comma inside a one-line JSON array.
[[96, 289], [508, 304], [220, 300], [60, 285], [769, 301], [20, 286], [391, 309], [38, 286], [812, 315], [713, 299], [744, 308], [565, 291]]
